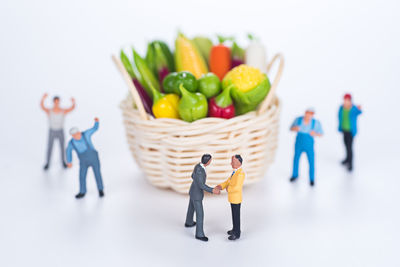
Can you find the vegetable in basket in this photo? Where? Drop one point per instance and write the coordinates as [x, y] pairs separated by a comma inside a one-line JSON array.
[[250, 86], [255, 54], [221, 106], [204, 45], [173, 80], [192, 106], [237, 55], [160, 59], [147, 77], [220, 58], [165, 105], [188, 57], [209, 85], [146, 100]]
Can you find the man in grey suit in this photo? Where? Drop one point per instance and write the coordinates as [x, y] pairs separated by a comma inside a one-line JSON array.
[[196, 193]]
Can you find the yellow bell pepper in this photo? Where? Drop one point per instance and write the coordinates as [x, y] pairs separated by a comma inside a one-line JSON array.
[[165, 105]]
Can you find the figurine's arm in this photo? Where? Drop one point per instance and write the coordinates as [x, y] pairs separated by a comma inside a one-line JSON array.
[[200, 180], [317, 131], [69, 153], [42, 106], [71, 108], [92, 130], [358, 108], [224, 184], [295, 125]]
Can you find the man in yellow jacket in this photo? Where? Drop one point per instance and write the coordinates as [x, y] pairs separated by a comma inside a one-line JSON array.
[[234, 185]]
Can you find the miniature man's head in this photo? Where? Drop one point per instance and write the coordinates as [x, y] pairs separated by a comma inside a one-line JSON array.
[[236, 161], [309, 113], [206, 159], [347, 101], [76, 134], [56, 101]]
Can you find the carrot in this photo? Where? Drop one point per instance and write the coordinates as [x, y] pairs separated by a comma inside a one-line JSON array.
[[220, 58]]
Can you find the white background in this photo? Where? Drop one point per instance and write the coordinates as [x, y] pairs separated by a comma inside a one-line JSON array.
[[330, 47]]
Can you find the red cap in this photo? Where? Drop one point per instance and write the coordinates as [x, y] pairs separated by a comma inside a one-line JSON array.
[[347, 96]]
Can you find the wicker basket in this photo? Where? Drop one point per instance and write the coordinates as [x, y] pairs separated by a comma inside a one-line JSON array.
[[167, 149]]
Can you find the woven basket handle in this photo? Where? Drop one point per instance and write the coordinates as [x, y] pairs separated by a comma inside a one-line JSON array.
[[264, 105], [131, 86]]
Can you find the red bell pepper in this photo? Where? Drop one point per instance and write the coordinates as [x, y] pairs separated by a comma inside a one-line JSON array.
[[222, 106]]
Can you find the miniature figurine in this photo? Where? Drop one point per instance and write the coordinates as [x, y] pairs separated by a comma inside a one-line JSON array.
[[88, 157], [56, 122], [307, 128], [234, 186], [196, 193], [348, 114]]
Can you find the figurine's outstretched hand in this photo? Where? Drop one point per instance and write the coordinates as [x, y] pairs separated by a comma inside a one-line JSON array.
[[216, 191], [314, 133], [69, 165], [42, 106], [295, 128], [96, 119], [73, 100]]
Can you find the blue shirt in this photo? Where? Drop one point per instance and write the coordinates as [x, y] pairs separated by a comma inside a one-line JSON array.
[[354, 112], [80, 144], [313, 125]]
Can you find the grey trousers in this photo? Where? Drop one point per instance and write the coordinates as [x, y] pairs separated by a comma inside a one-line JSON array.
[[196, 205], [55, 134]]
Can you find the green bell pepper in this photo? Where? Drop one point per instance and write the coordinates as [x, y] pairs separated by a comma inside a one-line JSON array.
[[173, 81], [192, 106]]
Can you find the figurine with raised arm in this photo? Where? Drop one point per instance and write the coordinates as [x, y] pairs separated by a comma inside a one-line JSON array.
[[348, 114], [196, 194], [307, 128], [234, 185], [56, 116], [81, 142]]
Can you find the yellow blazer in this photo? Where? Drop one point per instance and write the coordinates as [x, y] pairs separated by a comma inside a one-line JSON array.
[[234, 185]]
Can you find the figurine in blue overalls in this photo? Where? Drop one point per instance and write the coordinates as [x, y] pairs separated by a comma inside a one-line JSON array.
[[88, 157], [307, 128]]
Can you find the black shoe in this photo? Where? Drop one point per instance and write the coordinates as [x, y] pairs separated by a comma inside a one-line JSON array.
[[344, 162], [65, 165], [101, 193], [350, 168], [80, 195], [312, 183], [230, 232], [190, 225], [202, 238], [233, 237], [293, 179], [46, 167]]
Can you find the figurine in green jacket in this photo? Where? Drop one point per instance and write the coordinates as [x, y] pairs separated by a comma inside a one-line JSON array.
[[348, 114]]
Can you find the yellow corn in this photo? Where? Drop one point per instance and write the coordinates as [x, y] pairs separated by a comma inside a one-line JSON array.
[[245, 77], [188, 58]]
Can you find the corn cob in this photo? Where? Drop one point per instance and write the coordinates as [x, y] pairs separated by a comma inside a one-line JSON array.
[[188, 57]]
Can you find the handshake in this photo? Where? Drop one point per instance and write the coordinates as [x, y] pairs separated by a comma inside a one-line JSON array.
[[217, 190]]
